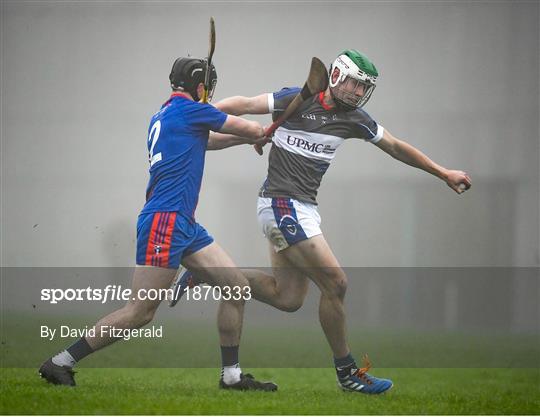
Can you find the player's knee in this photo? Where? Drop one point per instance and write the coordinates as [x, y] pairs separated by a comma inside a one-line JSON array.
[[289, 299], [336, 282], [145, 318], [291, 305], [242, 282], [341, 287]]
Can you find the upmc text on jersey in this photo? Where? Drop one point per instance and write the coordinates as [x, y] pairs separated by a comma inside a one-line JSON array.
[[312, 147]]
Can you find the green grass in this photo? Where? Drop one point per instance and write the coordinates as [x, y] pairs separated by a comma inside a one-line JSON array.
[[302, 391], [447, 373]]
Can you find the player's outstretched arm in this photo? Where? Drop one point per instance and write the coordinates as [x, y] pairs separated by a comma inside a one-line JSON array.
[[459, 181], [241, 127], [235, 131], [218, 141], [239, 105]]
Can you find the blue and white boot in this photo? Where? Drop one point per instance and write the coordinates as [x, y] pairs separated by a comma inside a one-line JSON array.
[[358, 380]]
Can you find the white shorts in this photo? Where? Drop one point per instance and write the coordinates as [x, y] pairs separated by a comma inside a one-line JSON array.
[[285, 221]]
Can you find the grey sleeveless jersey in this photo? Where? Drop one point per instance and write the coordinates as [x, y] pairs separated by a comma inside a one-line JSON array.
[[304, 146]]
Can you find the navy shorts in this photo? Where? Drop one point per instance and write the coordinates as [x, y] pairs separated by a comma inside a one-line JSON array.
[[164, 238]]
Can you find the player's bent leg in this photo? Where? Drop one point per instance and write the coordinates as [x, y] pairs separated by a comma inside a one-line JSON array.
[[285, 289], [136, 313], [315, 259]]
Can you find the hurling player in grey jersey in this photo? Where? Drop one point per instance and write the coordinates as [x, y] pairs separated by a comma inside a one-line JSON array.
[[302, 149]]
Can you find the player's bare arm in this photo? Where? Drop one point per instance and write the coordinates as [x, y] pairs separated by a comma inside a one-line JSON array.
[[239, 105], [236, 131], [242, 127], [218, 141], [459, 181]]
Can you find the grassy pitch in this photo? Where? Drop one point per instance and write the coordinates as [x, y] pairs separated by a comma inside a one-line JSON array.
[[446, 374], [301, 391]]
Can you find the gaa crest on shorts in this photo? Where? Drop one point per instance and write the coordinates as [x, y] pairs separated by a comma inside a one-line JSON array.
[[288, 224]]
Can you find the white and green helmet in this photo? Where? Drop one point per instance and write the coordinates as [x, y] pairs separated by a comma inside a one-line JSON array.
[[350, 69]]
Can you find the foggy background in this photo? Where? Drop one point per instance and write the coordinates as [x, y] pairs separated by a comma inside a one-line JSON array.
[[459, 80]]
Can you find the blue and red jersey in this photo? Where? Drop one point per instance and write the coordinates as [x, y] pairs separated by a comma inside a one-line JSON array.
[[177, 141]]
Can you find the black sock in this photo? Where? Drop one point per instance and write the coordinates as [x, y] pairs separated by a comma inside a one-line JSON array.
[[229, 355], [344, 365], [80, 349]]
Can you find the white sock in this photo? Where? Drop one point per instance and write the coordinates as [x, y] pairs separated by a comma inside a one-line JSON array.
[[64, 359], [231, 374]]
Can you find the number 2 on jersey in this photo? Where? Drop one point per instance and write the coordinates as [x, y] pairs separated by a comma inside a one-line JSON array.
[[152, 139]]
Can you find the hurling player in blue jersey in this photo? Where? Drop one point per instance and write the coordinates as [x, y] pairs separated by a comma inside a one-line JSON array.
[[302, 150], [167, 233]]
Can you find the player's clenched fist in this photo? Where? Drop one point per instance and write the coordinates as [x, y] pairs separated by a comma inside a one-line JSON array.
[[459, 181], [259, 144]]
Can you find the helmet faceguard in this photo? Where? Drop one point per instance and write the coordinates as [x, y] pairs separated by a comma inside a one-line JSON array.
[[352, 79], [187, 73]]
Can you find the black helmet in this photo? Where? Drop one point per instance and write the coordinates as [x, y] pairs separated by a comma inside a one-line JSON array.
[[188, 73]]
